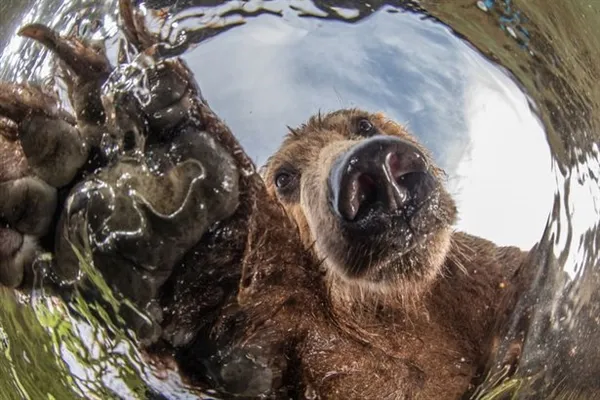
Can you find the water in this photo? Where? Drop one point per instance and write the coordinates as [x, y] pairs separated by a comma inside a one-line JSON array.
[[506, 97]]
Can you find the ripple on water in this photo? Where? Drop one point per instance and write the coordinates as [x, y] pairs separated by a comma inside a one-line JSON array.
[[512, 116]]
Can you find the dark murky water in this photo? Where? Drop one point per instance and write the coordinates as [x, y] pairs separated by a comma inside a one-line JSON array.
[[506, 96]]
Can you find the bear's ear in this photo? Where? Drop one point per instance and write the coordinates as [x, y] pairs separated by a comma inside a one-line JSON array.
[[396, 127], [383, 119]]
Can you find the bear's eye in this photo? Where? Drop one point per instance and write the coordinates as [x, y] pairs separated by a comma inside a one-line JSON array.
[[282, 180], [365, 127], [286, 182]]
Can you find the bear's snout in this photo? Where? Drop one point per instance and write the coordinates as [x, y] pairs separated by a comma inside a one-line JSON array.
[[367, 199], [379, 175]]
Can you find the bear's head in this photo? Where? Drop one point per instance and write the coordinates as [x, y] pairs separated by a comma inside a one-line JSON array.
[[367, 199]]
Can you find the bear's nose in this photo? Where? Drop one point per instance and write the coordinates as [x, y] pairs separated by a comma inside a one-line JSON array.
[[383, 172]]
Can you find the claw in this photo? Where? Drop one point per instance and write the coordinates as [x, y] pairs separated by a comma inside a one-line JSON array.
[[163, 172], [86, 62], [89, 65], [169, 81], [134, 27]]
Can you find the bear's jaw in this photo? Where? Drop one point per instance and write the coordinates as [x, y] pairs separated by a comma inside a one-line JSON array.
[[400, 291], [391, 248], [409, 270]]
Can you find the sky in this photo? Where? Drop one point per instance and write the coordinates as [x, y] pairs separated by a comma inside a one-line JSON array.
[[274, 72]]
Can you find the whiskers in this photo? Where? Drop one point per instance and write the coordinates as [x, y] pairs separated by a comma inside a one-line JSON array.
[[461, 254]]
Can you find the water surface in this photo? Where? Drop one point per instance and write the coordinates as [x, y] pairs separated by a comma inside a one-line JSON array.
[[505, 96]]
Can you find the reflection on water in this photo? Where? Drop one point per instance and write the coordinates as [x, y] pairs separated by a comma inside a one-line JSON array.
[[511, 115]]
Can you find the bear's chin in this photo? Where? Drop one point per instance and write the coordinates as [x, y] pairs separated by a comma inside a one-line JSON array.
[[399, 266]]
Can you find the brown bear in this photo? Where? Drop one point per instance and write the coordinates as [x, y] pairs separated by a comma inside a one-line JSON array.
[[353, 283], [336, 274]]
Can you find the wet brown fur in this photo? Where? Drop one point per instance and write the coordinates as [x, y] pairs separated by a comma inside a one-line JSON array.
[[310, 150], [318, 335], [425, 337], [310, 331]]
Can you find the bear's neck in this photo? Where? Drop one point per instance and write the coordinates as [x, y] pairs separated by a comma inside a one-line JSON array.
[[467, 297]]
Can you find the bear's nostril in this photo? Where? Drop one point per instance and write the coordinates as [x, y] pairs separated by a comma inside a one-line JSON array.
[[361, 190], [367, 187], [401, 166], [395, 166], [411, 180]]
